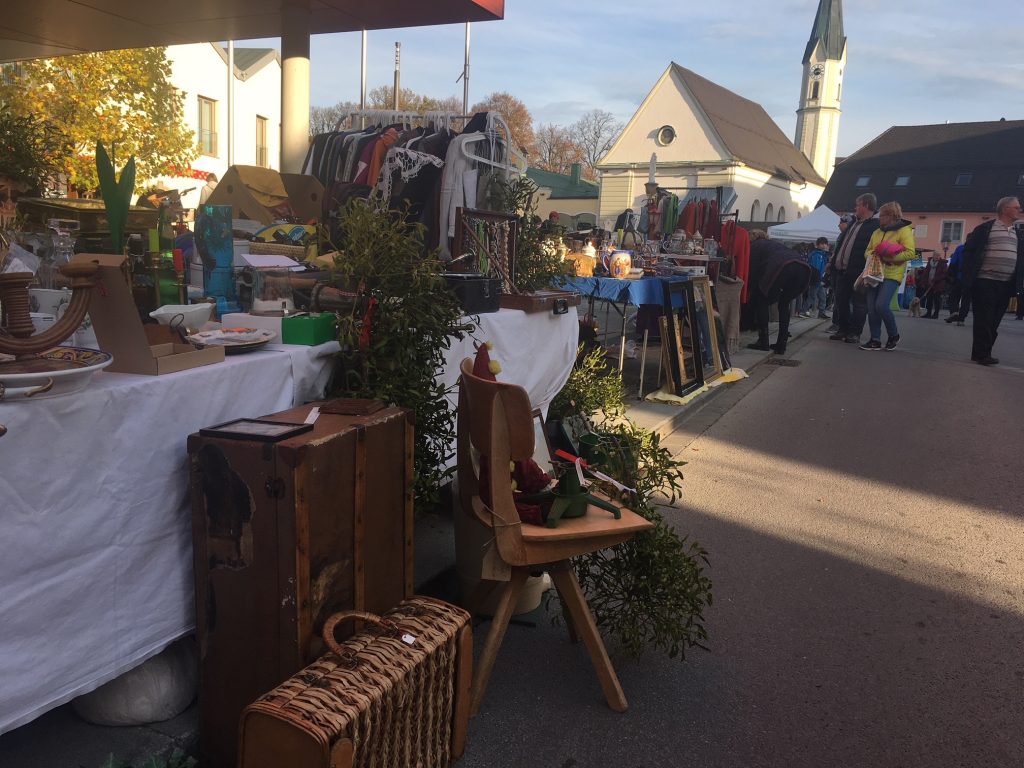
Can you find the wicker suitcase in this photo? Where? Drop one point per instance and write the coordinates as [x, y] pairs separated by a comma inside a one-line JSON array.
[[395, 695]]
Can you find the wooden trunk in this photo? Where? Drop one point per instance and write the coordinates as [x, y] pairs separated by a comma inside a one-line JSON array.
[[285, 534], [556, 302]]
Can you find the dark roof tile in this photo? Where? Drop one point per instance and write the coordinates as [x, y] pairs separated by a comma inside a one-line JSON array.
[[933, 156]]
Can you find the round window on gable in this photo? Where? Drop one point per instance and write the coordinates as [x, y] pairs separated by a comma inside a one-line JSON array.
[[666, 135]]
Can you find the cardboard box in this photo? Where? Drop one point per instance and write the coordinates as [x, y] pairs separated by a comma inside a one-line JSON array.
[[120, 331], [264, 195], [309, 329]]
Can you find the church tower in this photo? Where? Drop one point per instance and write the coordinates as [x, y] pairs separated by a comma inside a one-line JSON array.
[[817, 122]]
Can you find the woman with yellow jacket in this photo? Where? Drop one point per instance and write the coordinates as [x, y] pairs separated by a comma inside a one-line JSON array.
[[893, 245]]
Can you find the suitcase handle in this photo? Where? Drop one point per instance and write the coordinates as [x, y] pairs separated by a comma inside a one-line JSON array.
[[346, 655]]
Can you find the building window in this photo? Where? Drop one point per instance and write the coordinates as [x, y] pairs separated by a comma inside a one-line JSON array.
[[952, 232], [782, 213], [207, 126], [755, 211], [666, 135], [863, 181], [963, 179], [839, 92], [920, 231], [262, 153], [902, 181], [814, 90], [769, 211]]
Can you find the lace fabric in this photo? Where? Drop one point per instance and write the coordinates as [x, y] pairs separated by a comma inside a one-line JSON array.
[[406, 162]]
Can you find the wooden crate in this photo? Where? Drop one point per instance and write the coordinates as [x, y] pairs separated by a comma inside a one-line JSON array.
[[286, 534]]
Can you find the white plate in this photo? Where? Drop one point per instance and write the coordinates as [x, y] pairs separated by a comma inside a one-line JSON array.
[[66, 369], [233, 336], [234, 340]]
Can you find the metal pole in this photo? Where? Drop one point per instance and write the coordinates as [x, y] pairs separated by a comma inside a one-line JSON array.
[[398, 67], [465, 76], [231, 103], [362, 82]]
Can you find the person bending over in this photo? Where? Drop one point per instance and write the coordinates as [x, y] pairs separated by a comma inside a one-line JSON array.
[[777, 276]]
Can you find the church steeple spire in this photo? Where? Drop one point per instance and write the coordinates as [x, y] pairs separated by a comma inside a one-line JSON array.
[[817, 123], [827, 31]]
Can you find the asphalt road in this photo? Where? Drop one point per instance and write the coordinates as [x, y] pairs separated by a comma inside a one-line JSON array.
[[863, 515]]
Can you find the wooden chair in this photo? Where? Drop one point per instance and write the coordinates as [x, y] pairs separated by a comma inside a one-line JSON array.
[[496, 419]]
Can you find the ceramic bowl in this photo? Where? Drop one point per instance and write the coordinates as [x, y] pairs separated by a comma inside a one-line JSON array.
[[192, 316]]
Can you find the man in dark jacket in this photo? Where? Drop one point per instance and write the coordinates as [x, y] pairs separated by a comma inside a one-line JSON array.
[[777, 276], [932, 286], [959, 297], [993, 272], [851, 309]]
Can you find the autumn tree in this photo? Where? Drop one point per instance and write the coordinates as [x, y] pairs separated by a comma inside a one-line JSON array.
[[326, 119], [518, 117], [123, 98], [556, 151], [594, 133]]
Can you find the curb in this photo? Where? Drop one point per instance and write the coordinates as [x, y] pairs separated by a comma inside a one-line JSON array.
[[667, 426]]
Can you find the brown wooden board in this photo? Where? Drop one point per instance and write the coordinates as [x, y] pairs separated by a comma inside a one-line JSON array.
[[285, 534]]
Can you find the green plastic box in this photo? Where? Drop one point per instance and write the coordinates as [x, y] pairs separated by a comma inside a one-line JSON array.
[[309, 329]]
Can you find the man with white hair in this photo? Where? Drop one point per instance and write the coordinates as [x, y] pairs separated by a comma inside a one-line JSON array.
[[993, 272]]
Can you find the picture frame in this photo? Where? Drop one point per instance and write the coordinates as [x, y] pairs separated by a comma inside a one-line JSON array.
[[260, 430], [542, 452], [682, 350], [707, 331]]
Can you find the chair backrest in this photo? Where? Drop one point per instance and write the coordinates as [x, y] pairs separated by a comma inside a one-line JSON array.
[[496, 419], [476, 397]]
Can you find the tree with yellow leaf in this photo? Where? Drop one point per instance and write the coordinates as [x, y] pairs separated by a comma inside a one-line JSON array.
[[121, 98]]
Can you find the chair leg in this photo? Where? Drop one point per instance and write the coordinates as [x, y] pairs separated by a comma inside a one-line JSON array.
[[481, 592], [572, 597], [509, 597]]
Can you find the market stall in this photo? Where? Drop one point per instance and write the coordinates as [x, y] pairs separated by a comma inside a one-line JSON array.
[[97, 575]]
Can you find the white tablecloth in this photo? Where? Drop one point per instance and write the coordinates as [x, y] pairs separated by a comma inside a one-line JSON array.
[[96, 570], [536, 350]]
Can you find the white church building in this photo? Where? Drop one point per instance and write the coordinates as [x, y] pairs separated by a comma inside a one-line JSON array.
[[711, 142]]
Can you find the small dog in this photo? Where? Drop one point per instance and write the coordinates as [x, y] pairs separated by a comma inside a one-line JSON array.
[[915, 307]]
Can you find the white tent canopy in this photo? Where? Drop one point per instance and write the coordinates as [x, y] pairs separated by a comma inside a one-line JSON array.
[[821, 222]]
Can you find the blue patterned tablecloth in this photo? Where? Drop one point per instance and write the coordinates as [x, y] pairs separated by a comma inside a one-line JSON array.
[[646, 290]]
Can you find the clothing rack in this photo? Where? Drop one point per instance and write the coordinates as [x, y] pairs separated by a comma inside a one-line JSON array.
[[497, 128]]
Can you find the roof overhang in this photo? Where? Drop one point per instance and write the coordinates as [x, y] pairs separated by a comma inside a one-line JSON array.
[[45, 28]]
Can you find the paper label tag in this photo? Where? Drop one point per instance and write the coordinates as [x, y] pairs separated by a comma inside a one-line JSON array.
[[612, 480], [313, 415], [493, 567], [579, 473], [409, 639]]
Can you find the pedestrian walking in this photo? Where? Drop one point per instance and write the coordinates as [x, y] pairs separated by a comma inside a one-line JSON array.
[[893, 244], [933, 283], [994, 271], [815, 298], [850, 308], [959, 296]]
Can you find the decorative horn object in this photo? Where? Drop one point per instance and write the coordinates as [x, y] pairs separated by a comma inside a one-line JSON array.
[[17, 334]]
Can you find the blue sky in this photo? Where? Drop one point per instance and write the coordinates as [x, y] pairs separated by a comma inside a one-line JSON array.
[[909, 61]]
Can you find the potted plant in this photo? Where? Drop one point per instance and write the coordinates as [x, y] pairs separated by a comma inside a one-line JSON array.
[[652, 590]]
